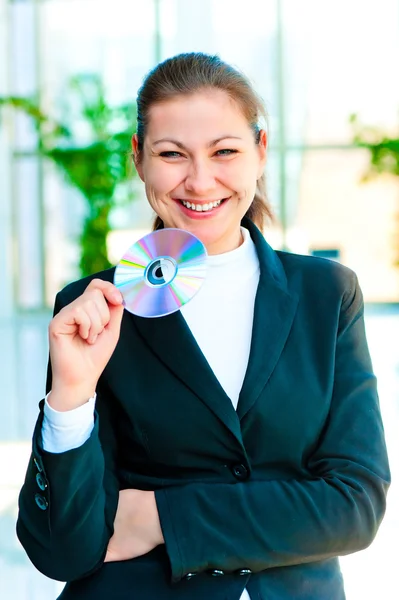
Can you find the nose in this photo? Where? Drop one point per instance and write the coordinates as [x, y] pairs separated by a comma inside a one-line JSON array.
[[200, 179]]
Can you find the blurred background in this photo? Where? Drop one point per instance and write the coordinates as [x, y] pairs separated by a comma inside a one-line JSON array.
[[70, 203]]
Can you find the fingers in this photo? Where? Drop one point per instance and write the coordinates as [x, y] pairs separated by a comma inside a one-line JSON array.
[[86, 318], [82, 319], [110, 313], [99, 317], [96, 311], [98, 308], [114, 325], [108, 289]]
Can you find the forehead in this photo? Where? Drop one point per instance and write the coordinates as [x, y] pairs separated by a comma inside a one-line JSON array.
[[206, 113]]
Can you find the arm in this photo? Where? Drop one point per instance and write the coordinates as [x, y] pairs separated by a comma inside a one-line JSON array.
[[79, 500], [263, 524]]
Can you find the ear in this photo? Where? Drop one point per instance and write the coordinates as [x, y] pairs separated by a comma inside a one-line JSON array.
[[262, 149], [137, 163]]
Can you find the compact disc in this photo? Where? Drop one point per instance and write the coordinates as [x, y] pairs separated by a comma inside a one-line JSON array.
[[161, 272]]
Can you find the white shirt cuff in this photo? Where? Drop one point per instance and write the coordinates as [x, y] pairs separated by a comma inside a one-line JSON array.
[[63, 431]]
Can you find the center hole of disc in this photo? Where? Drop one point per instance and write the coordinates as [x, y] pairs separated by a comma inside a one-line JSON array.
[[161, 271]]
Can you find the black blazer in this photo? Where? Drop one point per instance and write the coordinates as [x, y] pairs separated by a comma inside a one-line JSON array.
[[265, 497]]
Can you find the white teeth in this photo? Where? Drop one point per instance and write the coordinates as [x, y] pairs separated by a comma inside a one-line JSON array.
[[202, 207]]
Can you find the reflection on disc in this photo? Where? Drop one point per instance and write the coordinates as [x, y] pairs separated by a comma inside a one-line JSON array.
[[161, 272]]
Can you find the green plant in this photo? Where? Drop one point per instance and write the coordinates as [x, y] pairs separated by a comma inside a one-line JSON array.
[[384, 152], [99, 167]]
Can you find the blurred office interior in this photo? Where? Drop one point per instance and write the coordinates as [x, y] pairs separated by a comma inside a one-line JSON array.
[[315, 64]]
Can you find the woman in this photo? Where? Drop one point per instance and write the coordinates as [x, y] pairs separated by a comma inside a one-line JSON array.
[[236, 447]]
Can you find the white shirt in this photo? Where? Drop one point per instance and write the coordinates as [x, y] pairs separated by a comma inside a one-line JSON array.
[[220, 317], [221, 314]]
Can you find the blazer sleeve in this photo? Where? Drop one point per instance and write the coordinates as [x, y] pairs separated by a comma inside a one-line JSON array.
[[336, 511], [68, 501]]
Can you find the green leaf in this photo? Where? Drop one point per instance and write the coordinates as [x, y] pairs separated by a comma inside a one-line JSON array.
[[100, 169]]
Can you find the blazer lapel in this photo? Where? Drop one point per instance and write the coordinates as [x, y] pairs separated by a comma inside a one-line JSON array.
[[172, 342], [275, 308]]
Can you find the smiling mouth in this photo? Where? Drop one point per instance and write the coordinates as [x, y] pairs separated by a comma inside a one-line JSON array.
[[207, 207]]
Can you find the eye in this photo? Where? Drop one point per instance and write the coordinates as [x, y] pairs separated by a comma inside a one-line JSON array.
[[226, 152], [170, 154]]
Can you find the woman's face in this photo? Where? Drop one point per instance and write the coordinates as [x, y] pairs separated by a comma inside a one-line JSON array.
[[200, 165]]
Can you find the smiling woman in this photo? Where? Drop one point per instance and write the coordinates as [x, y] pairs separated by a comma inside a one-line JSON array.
[[203, 178], [203, 116], [232, 449]]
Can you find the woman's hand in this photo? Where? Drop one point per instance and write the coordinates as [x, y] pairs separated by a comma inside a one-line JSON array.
[[82, 338], [137, 529]]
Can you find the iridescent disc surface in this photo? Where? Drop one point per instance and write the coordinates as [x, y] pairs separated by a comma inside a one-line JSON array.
[[161, 272]]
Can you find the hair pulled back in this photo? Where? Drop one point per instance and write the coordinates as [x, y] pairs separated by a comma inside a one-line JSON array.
[[188, 73]]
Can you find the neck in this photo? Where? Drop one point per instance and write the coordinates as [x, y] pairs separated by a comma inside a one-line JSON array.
[[222, 246]]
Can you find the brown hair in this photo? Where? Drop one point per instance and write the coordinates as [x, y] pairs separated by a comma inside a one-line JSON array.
[[192, 72]]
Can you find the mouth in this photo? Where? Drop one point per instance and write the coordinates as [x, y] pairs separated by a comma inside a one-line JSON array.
[[202, 207]]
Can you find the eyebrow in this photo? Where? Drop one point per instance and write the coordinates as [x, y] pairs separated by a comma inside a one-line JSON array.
[[182, 146]]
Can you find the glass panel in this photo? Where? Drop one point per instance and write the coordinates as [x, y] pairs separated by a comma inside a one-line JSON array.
[[246, 42], [168, 11], [186, 27], [32, 348], [64, 209], [336, 211], [9, 378], [273, 232], [247, 39], [340, 58], [6, 248], [28, 232], [82, 37], [23, 68]]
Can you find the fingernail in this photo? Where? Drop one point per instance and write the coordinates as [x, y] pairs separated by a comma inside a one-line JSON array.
[[117, 298]]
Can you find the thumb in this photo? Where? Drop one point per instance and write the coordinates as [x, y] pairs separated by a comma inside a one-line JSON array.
[[116, 314]]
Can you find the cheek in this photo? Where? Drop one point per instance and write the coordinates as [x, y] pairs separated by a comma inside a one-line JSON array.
[[240, 177], [164, 179]]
